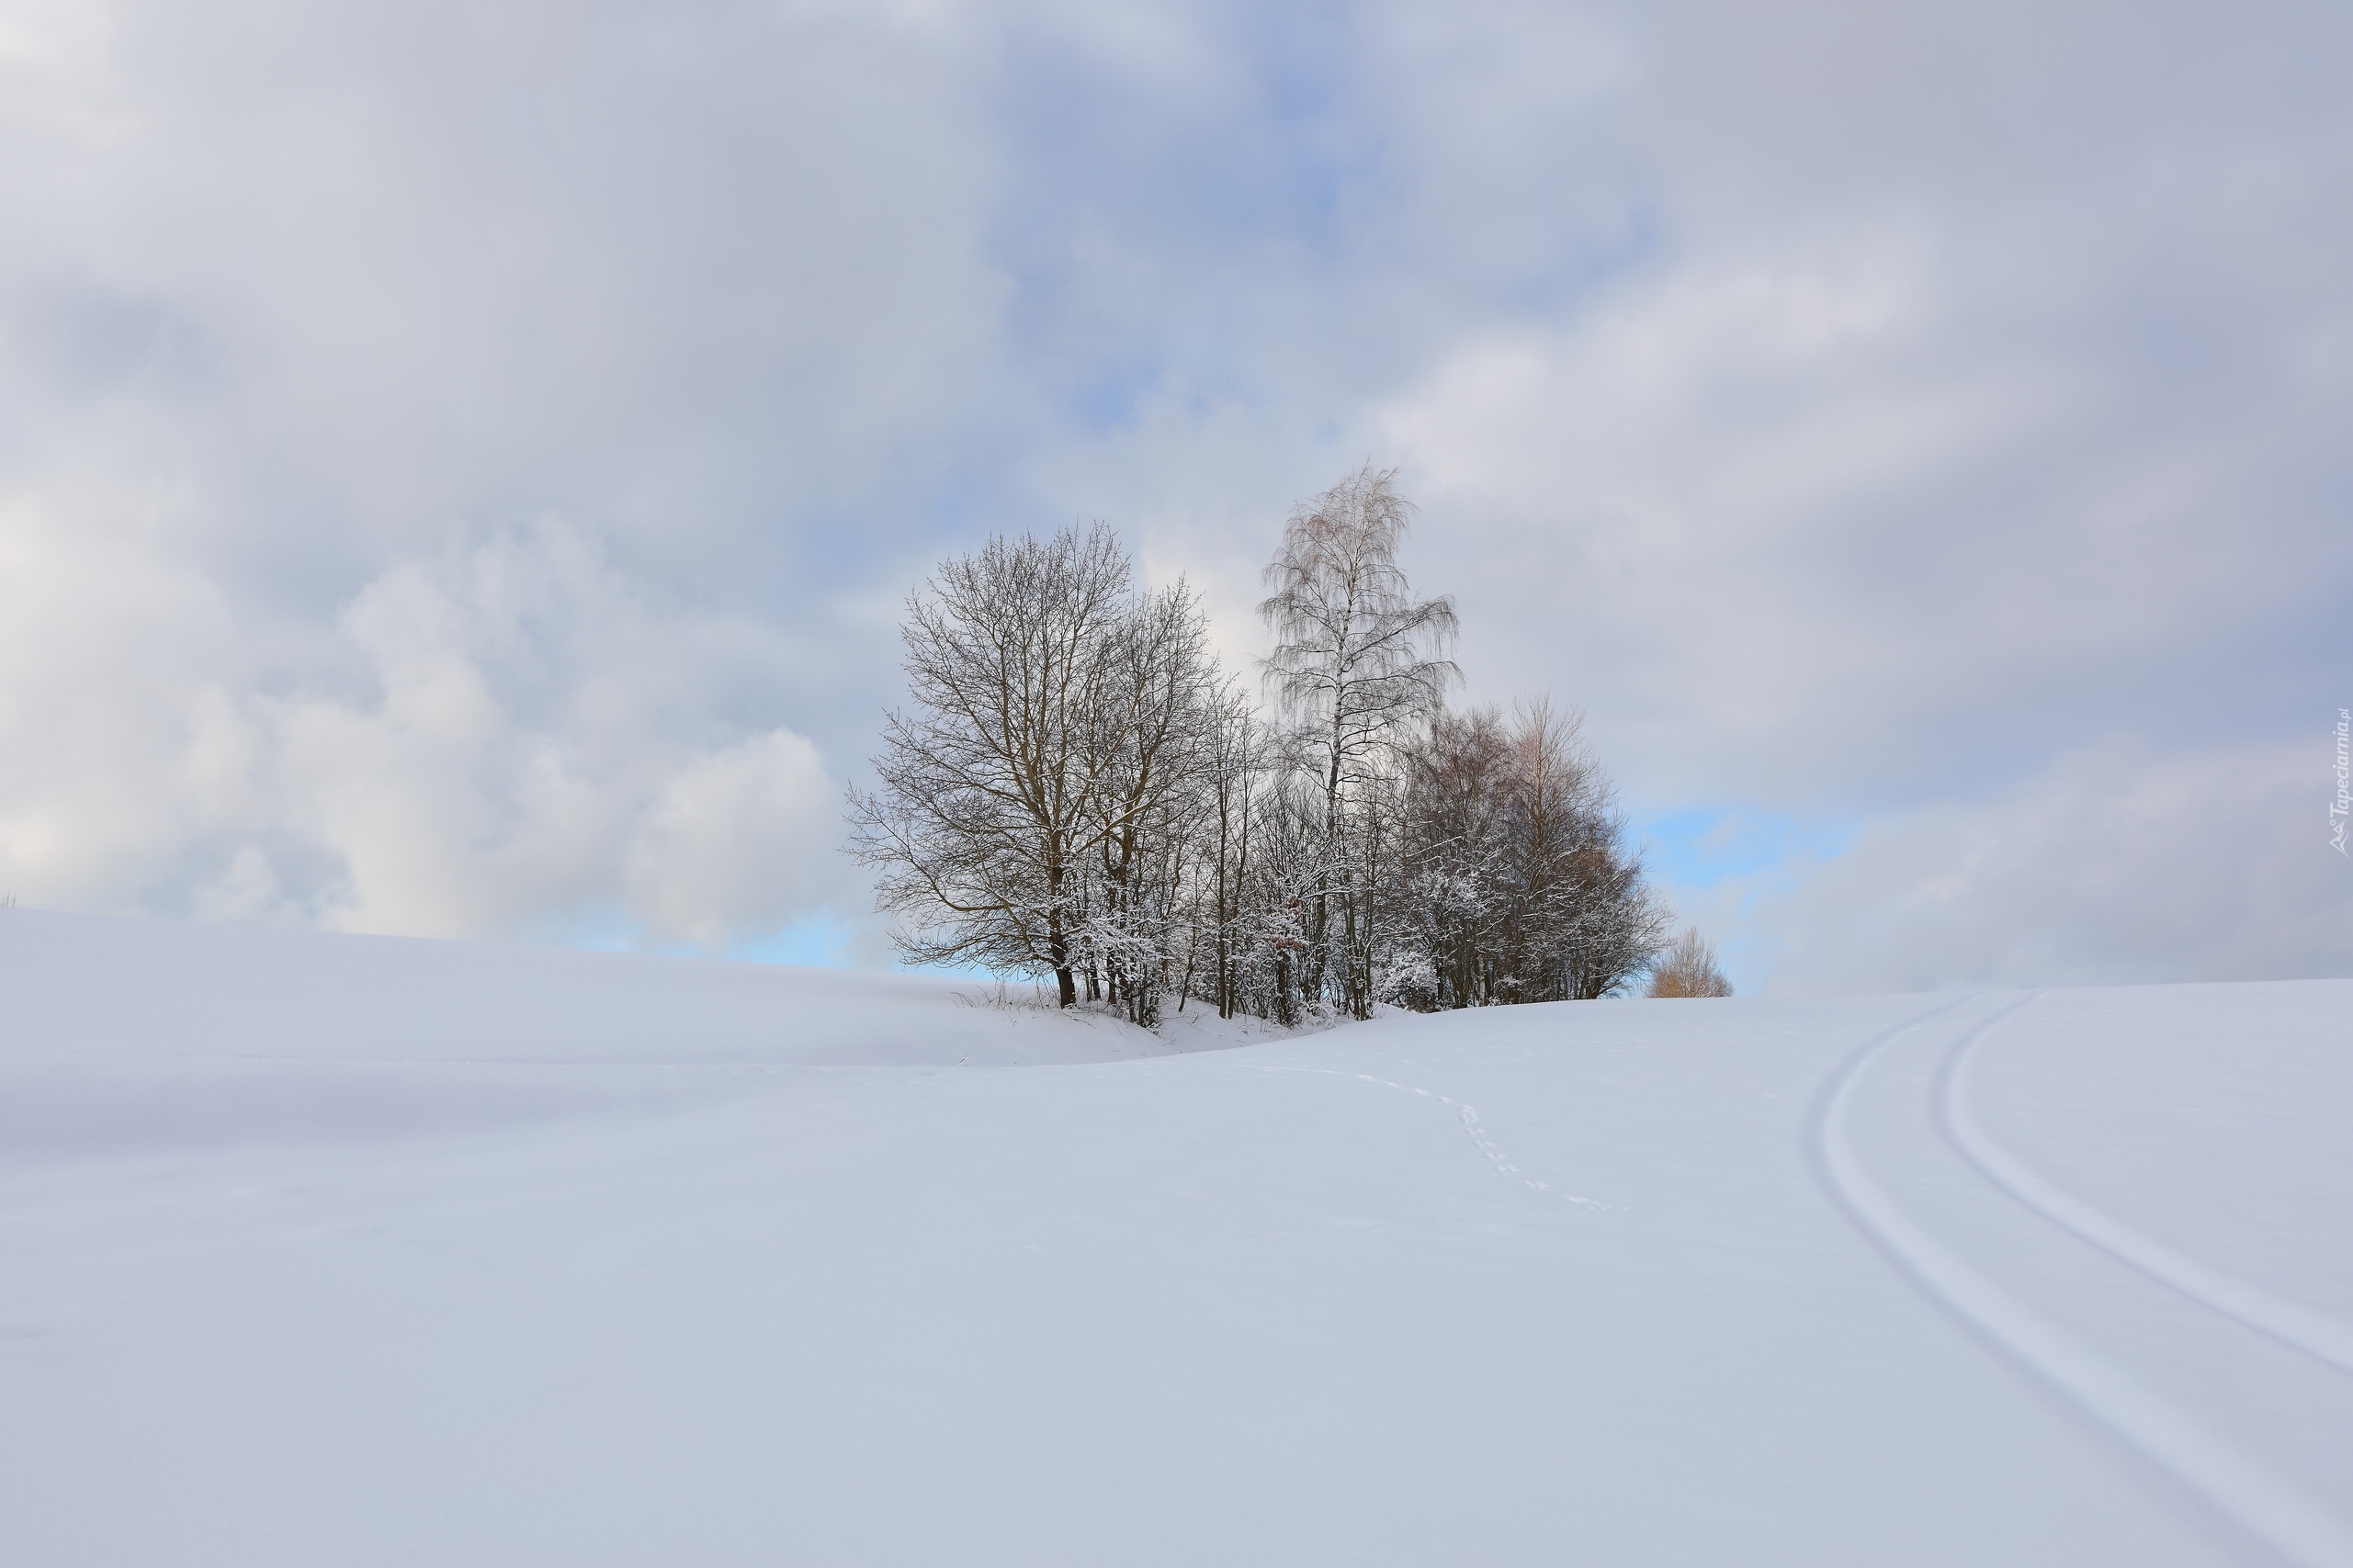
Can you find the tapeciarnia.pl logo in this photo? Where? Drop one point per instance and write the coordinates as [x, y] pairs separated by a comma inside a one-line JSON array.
[[2343, 805]]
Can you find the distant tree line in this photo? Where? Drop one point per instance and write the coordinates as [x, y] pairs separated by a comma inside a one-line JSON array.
[[1077, 791]]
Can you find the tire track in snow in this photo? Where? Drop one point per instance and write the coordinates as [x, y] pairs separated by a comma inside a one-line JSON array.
[[2315, 1333], [1468, 1116], [2266, 1508]]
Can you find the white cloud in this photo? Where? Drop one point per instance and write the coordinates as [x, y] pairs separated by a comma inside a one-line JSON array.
[[2113, 865], [116, 732], [528, 744], [540, 746], [726, 848]]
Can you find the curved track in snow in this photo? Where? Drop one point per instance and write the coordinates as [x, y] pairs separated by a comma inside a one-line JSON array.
[[2268, 1508], [2316, 1333]]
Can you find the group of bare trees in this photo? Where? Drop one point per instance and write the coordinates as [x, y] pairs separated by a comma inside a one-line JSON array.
[[1078, 790], [1517, 885]]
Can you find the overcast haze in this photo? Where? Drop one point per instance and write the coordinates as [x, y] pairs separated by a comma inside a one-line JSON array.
[[460, 466]]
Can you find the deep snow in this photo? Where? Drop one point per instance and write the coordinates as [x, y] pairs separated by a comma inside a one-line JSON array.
[[358, 1251]]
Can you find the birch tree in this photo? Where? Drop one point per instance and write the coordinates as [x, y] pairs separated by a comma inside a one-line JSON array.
[[1357, 665]]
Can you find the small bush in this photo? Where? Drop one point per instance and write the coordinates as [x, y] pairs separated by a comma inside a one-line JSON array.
[[1688, 969]]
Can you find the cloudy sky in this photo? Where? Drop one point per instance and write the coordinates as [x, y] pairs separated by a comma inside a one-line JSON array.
[[459, 464]]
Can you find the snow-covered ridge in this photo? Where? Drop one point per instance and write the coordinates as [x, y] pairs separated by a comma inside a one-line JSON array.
[[86, 988], [137, 1038]]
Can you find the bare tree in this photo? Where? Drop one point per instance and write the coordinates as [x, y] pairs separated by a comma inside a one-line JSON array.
[[1517, 886], [1238, 768], [1688, 969], [1456, 867], [988, 796], [1357, 669], [1159, 714], [1595, 923], [1038, 805]]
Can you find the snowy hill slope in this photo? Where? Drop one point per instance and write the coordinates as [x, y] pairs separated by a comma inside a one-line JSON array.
[[87, 988], [2058, 1279]]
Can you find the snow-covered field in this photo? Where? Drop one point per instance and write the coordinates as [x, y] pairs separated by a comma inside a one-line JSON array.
[[340, 1251]]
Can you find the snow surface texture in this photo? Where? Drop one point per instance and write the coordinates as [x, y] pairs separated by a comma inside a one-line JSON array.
[[358, 1251]]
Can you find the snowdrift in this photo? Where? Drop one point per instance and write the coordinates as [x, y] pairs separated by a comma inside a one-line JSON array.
[[358, 1251]]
